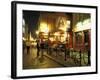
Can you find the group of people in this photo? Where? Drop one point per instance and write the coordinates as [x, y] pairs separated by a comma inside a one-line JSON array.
[[41, 47]]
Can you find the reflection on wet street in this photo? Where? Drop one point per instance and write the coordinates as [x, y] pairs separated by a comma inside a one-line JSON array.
[[31, 61], [52, 60]]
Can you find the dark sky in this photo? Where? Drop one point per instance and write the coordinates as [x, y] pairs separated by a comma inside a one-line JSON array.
[[31, 19]]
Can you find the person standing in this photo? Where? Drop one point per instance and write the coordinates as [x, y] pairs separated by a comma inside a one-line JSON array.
[[42, 48], [38, 48]]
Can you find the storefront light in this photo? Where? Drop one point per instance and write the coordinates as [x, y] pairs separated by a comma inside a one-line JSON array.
[[31, 38], [37, 32], [86, 24], [44, 28], [45, 34], [56, 34], [79, 24], [68, 23], [62, 28], [51, 39]]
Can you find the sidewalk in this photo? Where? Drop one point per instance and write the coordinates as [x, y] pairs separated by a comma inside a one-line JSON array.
[[71, 61]]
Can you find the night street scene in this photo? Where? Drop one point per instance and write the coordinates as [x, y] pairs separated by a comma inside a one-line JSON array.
[[56, 39]]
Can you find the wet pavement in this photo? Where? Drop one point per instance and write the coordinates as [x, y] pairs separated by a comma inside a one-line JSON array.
[[52, 60], [31, 61]]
